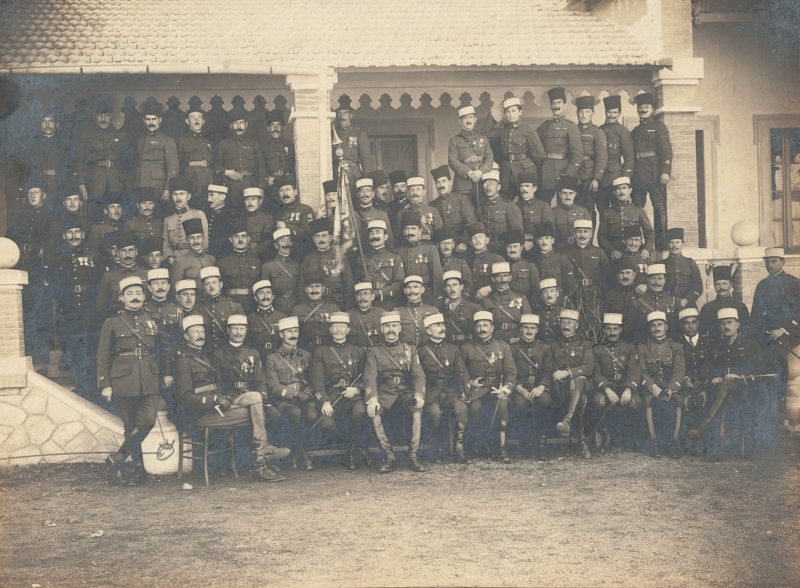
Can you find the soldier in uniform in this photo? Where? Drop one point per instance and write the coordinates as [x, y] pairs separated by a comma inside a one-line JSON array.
[[663, 367], [262, 331], [591, 272], [621, 214], [419, 258], [595, 153], [279, 153], [524, 274], [314, 312], [634, 251], [683, 275], [656, 298], [431, 220], [618, 298], [168, 317], [190, 262], [195, 154], [260, 224], [365, 317], [490, 370], [505, 304], [365, 211], [334, 266], [215, 307], [548, 309], [534, 211], [562, 144], [230, 385], [500, 216], [72, 210], [413, 312], [393, 376], [241, 269], [150, 253], [46, 157], [186, 296], [695, 351], [291, 213], [481, 260], [240, 159], [100, 234], [573, 362], [175, 240], [384, 269], [723, 285], [445, 240], [469, 155], [146, 225], [457, 310], [518, 147], [455, 208], [445, 377], [552, 263], [283, 271], [653, 167], [334, 375], [130, 371], [219, 216], [567, 213], [398, 179], [384, 198], [351, 148], [620, 151], [156, 154], [108, 301]]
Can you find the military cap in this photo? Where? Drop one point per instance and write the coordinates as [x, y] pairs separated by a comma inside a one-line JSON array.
[[261, 284], [390, 317], [237, 113], [237, 319], [339, 317], [452, 275], [492, 174], [415, 181], [72, 221], [181, 285], [444, 234], [629, 231], [544, 230], [159, 273], [111, 198], [721, 272], [315, 277], [621, 181], [275, 116], [278, 233], [476, 228], [483, 315], [513, 101], [688, 313], [466, 110], [253, 191], [645, 98], [548, 283], [319, 225], [582, 102], [192, 226], [398, 176], [675, 233], [102, 104], [364, 183], [515, 236], [582, 223], [625, 263], [529, 319], [774, 252], [529, 176], [501, 267], [655, 269], [378, 177], [612, 318], [235, 225], [218, 188], [557, 94], [612, 102], [567, 182], [173, 102], [727, 313], [146, 194], [433, 319], [410, 218], [150, 245], [330, 186], [68, 188], [363, 286], [376, 223], [290, 322], [180, 183], [569, 314], [413, 279], [442, 171], [193, 320], [126, 239], [344, 107], [656, 315], [152, 107], [129, 281], [285, 180], [210, 271]]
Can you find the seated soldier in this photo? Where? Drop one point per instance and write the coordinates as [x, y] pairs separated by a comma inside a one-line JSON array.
[[491, 370], [663, 367], [683, 276], [334, 375], [573, 362], [723, 285], [445, 376], [208, 391], [457, 311], [616, 379], [695, 350], [393, 376], [656, 298]]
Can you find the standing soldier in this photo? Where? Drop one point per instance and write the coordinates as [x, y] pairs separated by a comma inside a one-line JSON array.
[[260, 225], [365, 210], [199, 388], [175, 240], [469, 155], [47, 156], [156, 154], [351, 148], [279, 154], [490, 370], [262, 331], [334, 375], [653, 168], [656, 298], [146, 225], [595, 153], [445, 240], [215, 307], [505, 304], [430, 218], [195, 154], [620, 215], [723, 285], [563, 146], [552, 263], [383, 268], [240, 159], [190, 262], [517, 146], [567, 213], [365, 318], [103, 232], [219, 215], [445, 377], [457, 310], [524, 274], [241, 269], [420, 259], [620, 151], [455, 208], [314, 313], [291, 213], [108, 299], [500, 216], [393, 376], [591, 275], [129, 362], [683, 276], [338, 278], [534, 211], [283, 271], [413, 312], [481, 260]]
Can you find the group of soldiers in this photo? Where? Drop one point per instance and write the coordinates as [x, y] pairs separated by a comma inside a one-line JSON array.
[[488, 311]]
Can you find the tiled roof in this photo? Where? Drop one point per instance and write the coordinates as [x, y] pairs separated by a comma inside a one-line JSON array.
[[233, 36]]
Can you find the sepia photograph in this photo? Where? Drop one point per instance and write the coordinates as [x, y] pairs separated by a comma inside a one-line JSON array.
[[399, 293]]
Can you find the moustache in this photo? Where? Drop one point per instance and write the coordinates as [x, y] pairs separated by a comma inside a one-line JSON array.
[[133, 300], [374, 239]]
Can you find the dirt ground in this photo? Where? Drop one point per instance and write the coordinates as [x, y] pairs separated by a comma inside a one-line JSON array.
[[620, 519]]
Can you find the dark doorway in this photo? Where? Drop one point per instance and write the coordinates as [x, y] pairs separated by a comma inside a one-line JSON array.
[[699, 139], [393, 152]]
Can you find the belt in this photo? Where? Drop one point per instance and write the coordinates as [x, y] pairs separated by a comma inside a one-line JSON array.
[[49, 172], [246, 173], [135, 353], [556, 156], [518, 157], [238, 292], [241, 385], [397, 380], [587, 282], [472, 159], [80, 289], [206, 388], [616, 377], [508, 326], [214, 399], [459, 337], [642, 154], [200, 163], [438, 382], [287, 294], [489, 381], [102, 163]]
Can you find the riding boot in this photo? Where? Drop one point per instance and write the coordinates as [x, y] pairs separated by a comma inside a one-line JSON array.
[[305, 459], [362, 451], [262, 472], [459, 456], [349, 460], [503, 451], [388, 462], [564, 426], [416, 435]]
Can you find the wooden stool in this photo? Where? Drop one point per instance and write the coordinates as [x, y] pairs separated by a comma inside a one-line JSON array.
[[235, 418]]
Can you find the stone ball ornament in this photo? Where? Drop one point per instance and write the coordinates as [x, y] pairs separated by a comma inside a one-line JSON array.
[[745, 233], [9, 253]]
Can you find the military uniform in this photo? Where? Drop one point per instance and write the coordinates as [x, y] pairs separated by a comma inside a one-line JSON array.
[[534, 361], [187, 266], [99, 161], [518, 148], [616, 366], [297, 217], [431, 220], [555, 264], [613, 222], [386, 271], [564, 220], [156, 161], [619, 298], [279, 157], [592, 272], [355, 152], [524, 278], [500, 216], [365, 326], [262, 330], [653, 151], [620, 161], [458, 319], [593, 165], [507, 307], [240, 270], [466, 152], [481, 266], [421, 259], [108, 297], [662, 364], [549, 321], [695, 351], [260, 227], [776, 304], [575, 355], [561, 139], [338, 277], [215, 312], [683, 278], [243, 155], [459, 264], [283, 272], [315, 318], [709, 325], [196, 160], [48, 158], [534, 212], [219, 221], [145, 227], [412, 316], [174, 236], [456, 213], [636, 318]]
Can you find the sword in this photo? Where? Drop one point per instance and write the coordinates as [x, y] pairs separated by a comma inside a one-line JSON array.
[[335, 402]]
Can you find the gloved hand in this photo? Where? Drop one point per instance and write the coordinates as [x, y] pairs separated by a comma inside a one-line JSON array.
[[373, 404]]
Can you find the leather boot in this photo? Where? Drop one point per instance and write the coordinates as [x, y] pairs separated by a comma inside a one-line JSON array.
[[306, 460], [503, 451], [583, 450], [364, 453], [415, 465], [387, 465], [116, 469], [564, 426], [459, 456], [263, 473], [349, 459]]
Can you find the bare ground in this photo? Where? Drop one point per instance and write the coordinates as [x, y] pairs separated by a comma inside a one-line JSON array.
[[621, 519]]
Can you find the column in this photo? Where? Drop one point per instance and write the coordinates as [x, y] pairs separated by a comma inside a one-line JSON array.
[[14, 365]]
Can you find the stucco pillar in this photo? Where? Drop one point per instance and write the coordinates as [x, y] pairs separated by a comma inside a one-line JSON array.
[[14, 365], [312, 121], [676, 88]]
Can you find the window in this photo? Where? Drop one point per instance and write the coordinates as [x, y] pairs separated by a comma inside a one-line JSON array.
[[785, 185]]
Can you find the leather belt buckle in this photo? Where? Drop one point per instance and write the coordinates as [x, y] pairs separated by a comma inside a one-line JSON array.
[[49, 172], [642, 154], [555, 156], [587, 282], [616, 377], [78, 289], [138, 353], [240, 385], [397, 380], [199, 163]]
